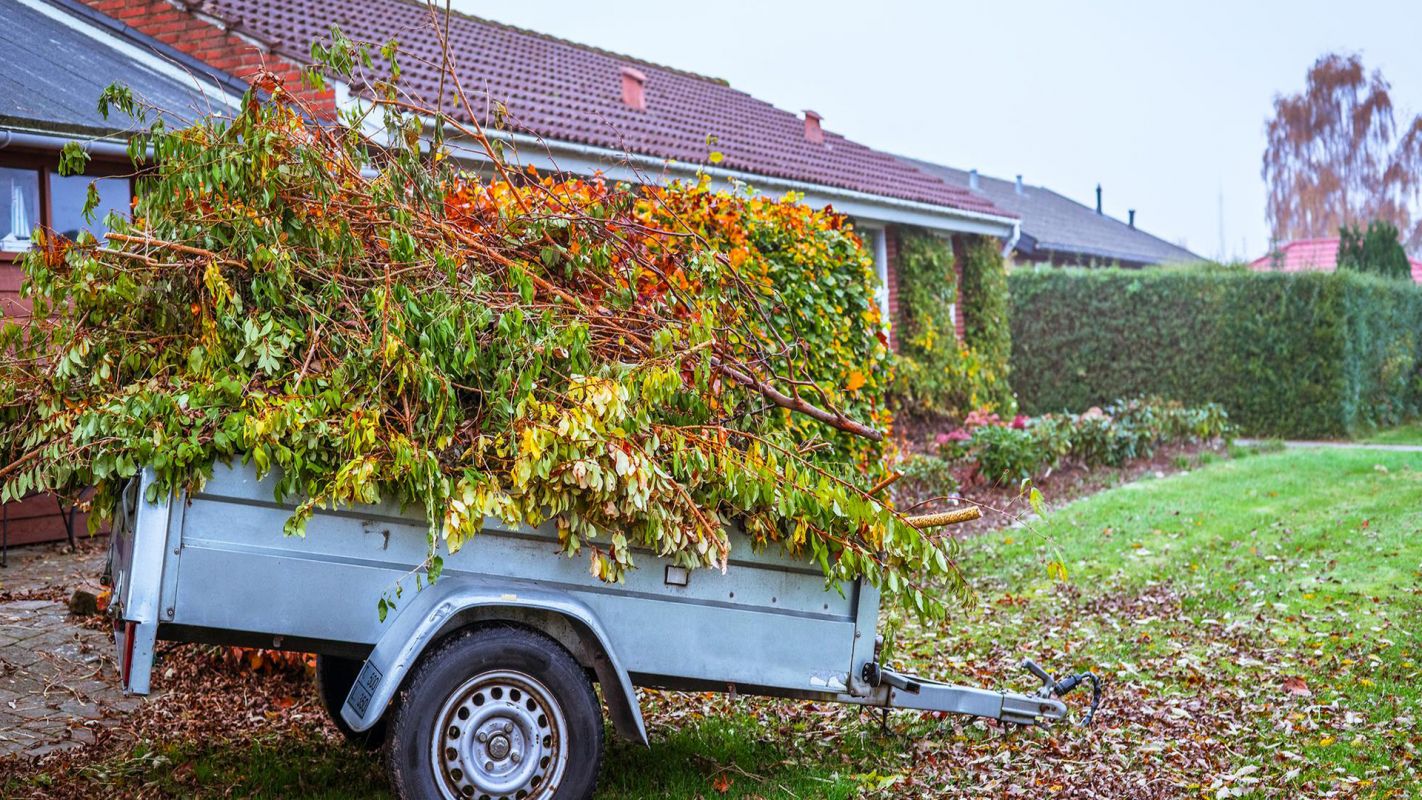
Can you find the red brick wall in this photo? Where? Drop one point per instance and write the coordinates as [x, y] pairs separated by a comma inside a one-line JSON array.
[[11, 305], [203, 38]]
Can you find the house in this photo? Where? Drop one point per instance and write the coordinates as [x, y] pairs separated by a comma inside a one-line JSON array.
[[1058, 230], [1304, 255], [57, 57], [560, 107]]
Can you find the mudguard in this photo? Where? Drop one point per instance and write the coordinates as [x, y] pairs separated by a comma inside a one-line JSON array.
[[454, 601]]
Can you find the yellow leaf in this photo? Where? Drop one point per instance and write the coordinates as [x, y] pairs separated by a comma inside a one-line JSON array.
[[716, 157]]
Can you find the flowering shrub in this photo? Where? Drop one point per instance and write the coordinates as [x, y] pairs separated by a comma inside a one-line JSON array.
[[1004, 452]]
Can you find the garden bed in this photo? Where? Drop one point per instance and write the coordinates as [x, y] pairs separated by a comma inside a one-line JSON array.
[[1008, 506]]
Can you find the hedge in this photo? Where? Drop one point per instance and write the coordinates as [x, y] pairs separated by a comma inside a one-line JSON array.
[[1292, 355]]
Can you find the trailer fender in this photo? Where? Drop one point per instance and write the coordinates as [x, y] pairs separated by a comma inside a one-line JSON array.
[[454, 602]]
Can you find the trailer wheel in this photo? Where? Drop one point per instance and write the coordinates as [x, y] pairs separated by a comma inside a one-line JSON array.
[[334, 678], [496, 714]]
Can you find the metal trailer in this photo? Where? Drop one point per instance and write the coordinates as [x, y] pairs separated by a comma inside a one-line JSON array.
[[479, 685]]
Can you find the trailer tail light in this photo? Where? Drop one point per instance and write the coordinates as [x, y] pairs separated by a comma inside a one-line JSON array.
[[127, 669]]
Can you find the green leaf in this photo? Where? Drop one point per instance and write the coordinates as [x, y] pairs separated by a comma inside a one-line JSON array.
[[73, 159], [1034, 498], [91, 202]]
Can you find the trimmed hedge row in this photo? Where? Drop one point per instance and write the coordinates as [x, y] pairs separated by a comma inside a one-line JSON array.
[[1293, 355]]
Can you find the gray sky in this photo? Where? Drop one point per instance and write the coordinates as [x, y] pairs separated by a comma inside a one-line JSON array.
[[1163, 103]]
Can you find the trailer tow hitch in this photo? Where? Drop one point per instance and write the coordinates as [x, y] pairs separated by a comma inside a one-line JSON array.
[[1060, 688], [913, 692]]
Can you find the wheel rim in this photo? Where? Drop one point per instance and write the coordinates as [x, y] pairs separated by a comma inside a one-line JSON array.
[[500, 736]]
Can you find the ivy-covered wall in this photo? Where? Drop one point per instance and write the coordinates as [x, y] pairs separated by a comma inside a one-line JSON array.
[[986, 327], [936, 373]]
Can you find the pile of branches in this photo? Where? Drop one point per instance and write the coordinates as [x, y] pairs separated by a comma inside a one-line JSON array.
[[653, 367]]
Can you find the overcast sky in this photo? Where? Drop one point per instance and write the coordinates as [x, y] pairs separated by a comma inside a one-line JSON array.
[[1163, 104]]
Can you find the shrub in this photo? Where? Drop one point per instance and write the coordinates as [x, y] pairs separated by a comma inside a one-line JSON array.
[[1377, 250], [1005, 453], [1291, 355]]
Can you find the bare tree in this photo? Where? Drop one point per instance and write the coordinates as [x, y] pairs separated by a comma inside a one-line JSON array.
[[1335, 156]]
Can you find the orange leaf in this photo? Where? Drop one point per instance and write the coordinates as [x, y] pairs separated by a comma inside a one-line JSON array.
[[856, 380], [722, 783]]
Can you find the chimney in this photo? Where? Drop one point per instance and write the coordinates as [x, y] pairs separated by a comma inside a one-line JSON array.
[[813, 132], [972, 179], [1131, 218], [634, 82], [1098, 198], [1019, 185]]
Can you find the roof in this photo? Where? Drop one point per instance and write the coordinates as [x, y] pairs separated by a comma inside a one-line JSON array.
[[56, 58], [1053, 224], [561, 91], [1304, 255]]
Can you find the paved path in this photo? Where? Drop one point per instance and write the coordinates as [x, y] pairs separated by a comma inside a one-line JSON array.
[[1396, 448], [57, 678]]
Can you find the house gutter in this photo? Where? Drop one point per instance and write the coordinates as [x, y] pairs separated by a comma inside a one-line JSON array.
[[108, 148]]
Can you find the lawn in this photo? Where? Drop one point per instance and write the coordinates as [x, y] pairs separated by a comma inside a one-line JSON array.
[[1410, 433], [1255, 619]]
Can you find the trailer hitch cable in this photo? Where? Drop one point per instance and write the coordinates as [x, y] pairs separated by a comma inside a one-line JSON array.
[[1060, 688]]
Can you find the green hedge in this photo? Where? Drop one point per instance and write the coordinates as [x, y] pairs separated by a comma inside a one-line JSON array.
[[1294, 355]]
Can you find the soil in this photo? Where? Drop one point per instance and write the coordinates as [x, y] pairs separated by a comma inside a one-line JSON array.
[[1005, 506]]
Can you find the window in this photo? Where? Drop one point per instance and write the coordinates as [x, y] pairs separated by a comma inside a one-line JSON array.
[[66, 202], [33, 194], [877, 246], [19, 208]]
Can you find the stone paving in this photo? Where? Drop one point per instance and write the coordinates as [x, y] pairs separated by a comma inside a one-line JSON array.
[[58, 684]]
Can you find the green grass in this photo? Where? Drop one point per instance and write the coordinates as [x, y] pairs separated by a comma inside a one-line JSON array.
[[1201, 598], [1410, 433]]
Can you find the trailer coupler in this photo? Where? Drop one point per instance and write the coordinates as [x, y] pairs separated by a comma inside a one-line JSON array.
[[912, 692]]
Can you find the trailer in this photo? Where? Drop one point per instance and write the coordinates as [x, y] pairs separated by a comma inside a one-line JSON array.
[[481, 684]]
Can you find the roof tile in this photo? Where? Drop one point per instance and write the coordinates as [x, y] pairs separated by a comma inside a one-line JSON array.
[[561, 91], [1305, 255]]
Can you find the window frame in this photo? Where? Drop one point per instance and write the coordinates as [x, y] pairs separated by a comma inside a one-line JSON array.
[[45, 162], [880, 253]]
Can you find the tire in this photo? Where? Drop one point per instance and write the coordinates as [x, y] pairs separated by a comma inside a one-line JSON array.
[[495, 713], [334, 678]]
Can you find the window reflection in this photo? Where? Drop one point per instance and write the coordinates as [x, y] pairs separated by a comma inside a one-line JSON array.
[[19, 208], [67, 196]]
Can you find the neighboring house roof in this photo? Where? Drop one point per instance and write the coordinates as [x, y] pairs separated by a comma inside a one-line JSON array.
[[1053, 224], [1304, 255], [57, 57], [561, 91]]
